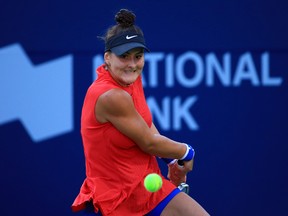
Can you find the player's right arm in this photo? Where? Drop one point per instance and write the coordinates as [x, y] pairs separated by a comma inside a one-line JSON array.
[[177, 174], [116, 106]]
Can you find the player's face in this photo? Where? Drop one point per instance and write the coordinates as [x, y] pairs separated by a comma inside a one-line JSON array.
[[126, 68]]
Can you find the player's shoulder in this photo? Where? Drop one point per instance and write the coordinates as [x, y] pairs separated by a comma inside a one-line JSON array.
[[114, 98]]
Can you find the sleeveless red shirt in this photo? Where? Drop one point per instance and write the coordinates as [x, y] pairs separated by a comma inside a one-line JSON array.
[[115, 165]]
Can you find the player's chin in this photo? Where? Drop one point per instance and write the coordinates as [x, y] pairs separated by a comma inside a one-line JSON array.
[[131, 79], [128, 82]]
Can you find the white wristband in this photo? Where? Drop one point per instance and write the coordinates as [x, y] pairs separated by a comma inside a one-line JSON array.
[[186, 153]]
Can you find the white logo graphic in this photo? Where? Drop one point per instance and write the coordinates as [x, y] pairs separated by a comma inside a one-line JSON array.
[[130, 37], [40, 96]]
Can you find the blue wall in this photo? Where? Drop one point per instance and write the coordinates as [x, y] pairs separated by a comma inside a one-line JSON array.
[[216, 77]]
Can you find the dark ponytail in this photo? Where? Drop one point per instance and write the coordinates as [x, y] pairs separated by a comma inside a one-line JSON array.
[[125, 22], [125, 18]]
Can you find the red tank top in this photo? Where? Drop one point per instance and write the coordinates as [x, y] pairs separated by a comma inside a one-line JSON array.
[[115, 165]]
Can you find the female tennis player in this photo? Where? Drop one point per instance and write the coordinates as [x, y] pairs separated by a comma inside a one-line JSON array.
[[121, 142]]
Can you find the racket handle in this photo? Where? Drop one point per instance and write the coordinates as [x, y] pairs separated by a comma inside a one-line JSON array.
[[180, 163]]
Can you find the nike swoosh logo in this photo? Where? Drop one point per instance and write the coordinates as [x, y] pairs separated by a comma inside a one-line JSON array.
[[130, 37]]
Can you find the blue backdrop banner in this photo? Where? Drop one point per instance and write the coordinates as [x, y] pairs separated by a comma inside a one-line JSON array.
[[216, 78]]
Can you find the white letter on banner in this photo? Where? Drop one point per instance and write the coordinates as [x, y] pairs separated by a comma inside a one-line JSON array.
[[180, 73], [265, 72], [164, 116], [153, 59], [223, 73], [97, 61], [181, 112], [169, 68], [246, 70]]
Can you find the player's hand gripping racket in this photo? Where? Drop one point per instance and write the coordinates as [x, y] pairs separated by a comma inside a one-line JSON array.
[[184, 187]]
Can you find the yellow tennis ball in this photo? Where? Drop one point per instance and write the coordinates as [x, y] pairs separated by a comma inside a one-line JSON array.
[[153, 182]]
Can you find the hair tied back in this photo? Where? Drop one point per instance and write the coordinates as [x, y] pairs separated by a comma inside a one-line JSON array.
[[125, 18]]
